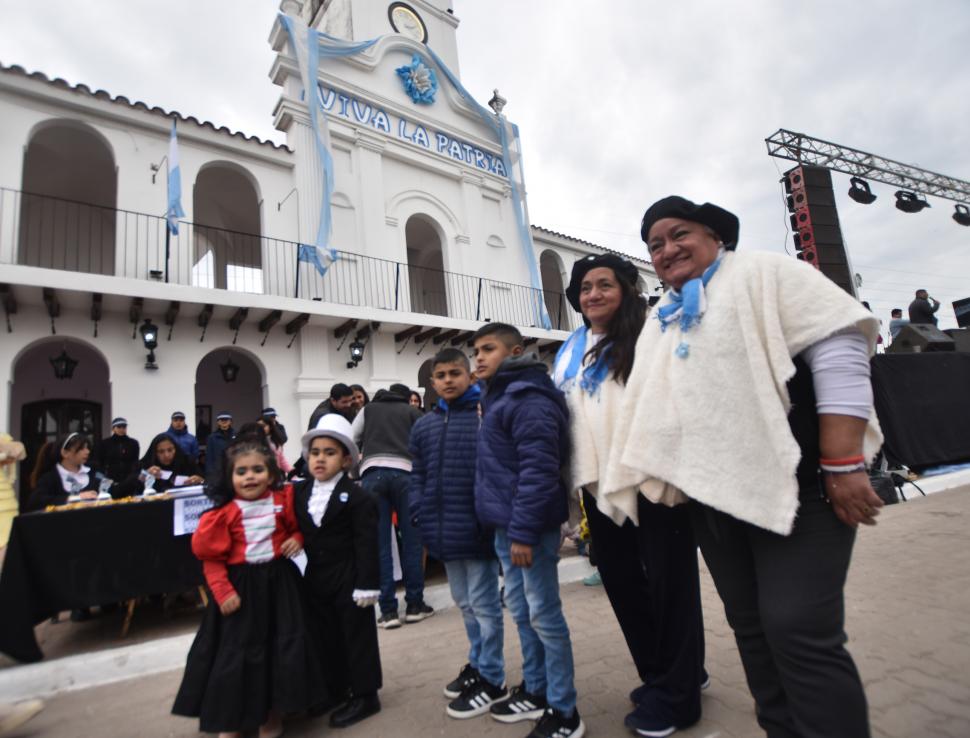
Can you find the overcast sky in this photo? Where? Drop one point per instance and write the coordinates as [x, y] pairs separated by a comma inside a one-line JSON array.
[[619, 103]]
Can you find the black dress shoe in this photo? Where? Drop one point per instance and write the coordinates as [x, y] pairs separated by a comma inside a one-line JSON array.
[[356, 710]]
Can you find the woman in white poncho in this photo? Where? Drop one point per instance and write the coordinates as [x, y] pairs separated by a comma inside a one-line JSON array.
[[648, 560], [750, 397]]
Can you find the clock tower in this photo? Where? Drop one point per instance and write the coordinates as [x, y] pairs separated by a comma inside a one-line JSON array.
[[431, 22]]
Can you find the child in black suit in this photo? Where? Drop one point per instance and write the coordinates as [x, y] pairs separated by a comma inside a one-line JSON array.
[[339, 525]]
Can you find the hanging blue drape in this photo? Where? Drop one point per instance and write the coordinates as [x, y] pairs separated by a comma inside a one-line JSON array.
[[309, 45]]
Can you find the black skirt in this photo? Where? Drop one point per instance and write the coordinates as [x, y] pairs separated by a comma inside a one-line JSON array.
[[262, 657]]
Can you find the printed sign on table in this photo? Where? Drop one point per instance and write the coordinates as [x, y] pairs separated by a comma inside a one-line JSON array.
[[188, 510]]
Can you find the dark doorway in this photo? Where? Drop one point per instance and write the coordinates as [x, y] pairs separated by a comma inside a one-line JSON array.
[[45, 420]]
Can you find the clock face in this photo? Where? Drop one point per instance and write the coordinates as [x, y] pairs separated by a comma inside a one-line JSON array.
[[406, 21]]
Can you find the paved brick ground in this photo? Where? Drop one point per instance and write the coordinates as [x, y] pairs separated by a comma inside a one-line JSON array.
[[908, 604]]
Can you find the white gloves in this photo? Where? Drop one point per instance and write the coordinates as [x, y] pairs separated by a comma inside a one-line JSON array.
[[366, 597]]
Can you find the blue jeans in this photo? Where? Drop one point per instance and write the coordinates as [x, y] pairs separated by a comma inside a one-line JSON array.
[[474, 588], [390, 487], [532, 596]]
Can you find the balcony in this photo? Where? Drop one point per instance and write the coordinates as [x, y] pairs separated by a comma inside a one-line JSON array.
[[56, 233]]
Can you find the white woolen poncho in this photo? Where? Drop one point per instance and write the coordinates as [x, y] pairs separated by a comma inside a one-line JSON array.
[[714, 425]]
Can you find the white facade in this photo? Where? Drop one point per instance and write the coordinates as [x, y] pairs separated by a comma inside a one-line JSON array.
[[426, 233]]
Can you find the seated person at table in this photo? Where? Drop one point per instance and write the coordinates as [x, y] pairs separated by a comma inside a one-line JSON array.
[[164, 462], [64, 473]]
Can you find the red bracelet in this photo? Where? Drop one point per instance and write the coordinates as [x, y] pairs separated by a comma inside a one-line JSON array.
[[849, 460]]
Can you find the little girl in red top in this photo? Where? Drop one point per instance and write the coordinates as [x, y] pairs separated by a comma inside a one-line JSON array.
[[252, 659]]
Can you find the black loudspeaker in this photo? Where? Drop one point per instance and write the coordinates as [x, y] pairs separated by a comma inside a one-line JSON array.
[[815, 223], [961, 338], [961, 308], [917, 338]]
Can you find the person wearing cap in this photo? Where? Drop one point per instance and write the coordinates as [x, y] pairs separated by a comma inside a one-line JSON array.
[[116, 456], [217, 443], [339, 525], [271, 418], [750, 401], [178, 431], [647, 559], [383, 429], [340, 401]]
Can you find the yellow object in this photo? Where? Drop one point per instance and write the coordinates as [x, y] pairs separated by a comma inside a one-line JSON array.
[[584, 523], [10, 453]]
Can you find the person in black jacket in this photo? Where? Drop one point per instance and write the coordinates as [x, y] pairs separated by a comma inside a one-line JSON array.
[[382, 429], [65, 473], [166, 464], [338, 520], [117, 455], [217, 443]]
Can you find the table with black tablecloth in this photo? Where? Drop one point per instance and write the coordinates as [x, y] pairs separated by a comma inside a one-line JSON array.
[[923, 404], [69, 559]]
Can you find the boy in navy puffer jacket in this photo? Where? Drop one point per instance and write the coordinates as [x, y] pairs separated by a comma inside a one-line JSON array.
[[443, 447], [522, 446]]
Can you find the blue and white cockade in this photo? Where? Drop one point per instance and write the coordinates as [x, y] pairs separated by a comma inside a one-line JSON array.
[[419, 81]]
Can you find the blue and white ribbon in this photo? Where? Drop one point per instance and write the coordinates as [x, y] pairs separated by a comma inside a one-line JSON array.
[[320, 259], [573, 352], [686, 306]]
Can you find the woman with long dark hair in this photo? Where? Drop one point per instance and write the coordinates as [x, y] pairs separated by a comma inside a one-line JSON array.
[[361, 398], [646, 556], [64, 472], [165, 464]]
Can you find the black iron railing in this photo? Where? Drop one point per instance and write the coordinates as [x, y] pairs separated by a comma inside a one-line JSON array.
[[57, 233]]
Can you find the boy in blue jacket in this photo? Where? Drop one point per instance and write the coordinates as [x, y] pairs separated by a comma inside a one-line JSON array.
[[443, 447], [522, 445]]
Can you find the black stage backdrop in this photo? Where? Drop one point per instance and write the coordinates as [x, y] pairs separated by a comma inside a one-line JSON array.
[[74, 558], [923, 404]]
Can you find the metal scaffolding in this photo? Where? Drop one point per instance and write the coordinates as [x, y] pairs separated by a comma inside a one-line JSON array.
[[803, 149]]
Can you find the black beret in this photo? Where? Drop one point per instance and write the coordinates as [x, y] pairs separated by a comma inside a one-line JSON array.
[[622, 268], [725, 224]]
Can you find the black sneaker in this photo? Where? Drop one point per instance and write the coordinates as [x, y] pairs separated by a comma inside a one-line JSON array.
[[389, 621], [466, 676], [415, 613], [519, 706], [476, 700], [553, 724], [640, 693]]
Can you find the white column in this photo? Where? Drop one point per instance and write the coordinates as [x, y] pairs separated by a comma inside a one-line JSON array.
[[316, 375]]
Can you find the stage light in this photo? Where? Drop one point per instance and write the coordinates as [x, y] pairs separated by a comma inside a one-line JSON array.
[[962, 215], [910, 202], [860, 192]]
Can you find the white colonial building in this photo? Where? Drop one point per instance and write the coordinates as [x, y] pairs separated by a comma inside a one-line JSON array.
[[423, 217]]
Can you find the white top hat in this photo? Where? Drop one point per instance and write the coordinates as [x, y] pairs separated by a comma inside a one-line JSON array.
[[333, 426]]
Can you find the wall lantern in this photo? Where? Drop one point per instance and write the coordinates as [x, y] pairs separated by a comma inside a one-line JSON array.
[[149, 337], [356, 354], [962, 215], [64, 365], [230, 370]]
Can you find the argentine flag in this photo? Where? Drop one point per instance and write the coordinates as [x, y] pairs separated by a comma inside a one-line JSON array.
[[312, 255], [174, 211]]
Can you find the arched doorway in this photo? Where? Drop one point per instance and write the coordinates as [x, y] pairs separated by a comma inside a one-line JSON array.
[[243, 397], [44, 407], [551, 270], [227, 248], [426, 269], [67, 208]]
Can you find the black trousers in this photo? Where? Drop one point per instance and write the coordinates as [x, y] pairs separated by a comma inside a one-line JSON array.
[[348, 638], [783, 598], [650, 575]]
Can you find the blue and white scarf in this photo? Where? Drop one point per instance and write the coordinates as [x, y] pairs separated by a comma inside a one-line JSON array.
[[592, 376], [687, 305]]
